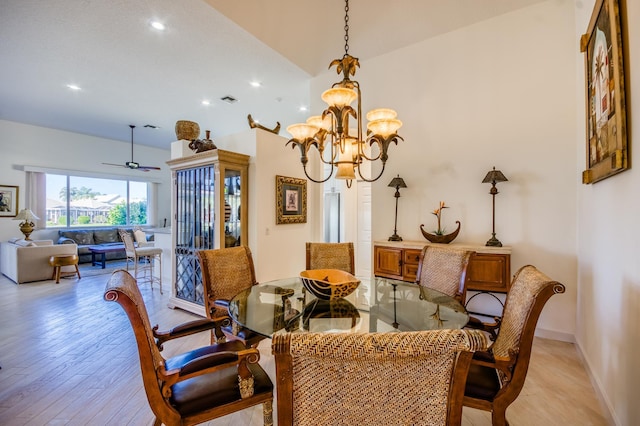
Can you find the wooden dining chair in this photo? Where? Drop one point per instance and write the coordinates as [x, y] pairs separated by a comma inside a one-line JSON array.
[[395, 378], [330, 256], [496, 376], [225, 273], [198, 385], [444, 268]]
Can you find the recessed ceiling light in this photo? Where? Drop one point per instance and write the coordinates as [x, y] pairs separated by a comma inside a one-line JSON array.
[[303, 108], [255, 84], [73, 87], [158, 25], [206, 102]]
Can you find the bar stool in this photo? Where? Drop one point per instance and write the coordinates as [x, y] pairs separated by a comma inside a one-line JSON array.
[[58, 261], [136, 254], [151, 255]]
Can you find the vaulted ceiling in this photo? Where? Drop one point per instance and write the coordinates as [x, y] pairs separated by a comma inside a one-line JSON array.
[[130, 73]]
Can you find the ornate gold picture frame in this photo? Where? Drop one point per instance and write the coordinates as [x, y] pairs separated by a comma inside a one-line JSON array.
[[606, 127], [291, 200], [8, 201]]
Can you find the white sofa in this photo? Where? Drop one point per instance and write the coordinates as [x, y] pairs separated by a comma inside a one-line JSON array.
[[25, 261]]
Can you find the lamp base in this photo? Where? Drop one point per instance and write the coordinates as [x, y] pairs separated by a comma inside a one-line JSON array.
[[26, 228], [493, 242], [395, 237]]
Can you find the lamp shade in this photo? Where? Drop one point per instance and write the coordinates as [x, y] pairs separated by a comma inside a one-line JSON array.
[[397, 182], [319, 122], [381, 113], [302, 131], [339, 96], [384, 127], [26, 215], [494, 176]]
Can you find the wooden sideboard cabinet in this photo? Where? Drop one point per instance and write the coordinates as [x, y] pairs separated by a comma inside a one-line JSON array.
[[489, 268]]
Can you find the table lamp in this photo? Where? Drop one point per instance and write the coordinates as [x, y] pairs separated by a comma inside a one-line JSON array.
[[26, 227], [397, 183], [494, 176]]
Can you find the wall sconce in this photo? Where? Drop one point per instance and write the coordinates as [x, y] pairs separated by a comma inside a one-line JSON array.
[[494, 176], [26, 227], [397, 183]]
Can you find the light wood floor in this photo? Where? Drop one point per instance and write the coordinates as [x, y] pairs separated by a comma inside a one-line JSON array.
[[68, 357]]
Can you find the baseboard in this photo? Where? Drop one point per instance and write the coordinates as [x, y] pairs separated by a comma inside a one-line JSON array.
[[555, 335], [607, 409]]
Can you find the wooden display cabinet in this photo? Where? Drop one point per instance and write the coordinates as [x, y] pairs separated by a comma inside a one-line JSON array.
[[489, 268], [209, 211]]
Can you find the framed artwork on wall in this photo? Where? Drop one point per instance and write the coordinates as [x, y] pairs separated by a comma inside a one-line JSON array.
[[606, 127], [8, 201], [291, 200]]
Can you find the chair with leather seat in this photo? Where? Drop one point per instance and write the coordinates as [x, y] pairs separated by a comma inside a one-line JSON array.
[[393, 378], [330, 256], [225, 273], [444, 268], [496, 376], [198, 385]]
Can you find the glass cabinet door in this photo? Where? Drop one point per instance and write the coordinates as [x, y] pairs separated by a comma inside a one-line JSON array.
[[232, 207], [195, 204]]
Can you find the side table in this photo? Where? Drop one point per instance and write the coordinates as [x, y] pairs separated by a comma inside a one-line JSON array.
[[58, 261]]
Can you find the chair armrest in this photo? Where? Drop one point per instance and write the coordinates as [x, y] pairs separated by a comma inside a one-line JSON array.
[[490, 328], [187, 329], [487, 359]]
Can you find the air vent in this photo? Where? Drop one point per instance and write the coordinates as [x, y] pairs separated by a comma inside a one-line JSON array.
[[229, 99]]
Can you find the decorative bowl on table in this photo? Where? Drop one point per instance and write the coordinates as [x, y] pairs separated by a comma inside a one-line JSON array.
[[329, 284]]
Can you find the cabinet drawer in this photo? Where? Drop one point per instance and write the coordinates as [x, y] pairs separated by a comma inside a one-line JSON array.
[[411, 256], [409, 272]]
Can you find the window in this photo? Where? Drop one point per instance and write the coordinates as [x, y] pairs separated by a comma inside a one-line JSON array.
[[76, 201]]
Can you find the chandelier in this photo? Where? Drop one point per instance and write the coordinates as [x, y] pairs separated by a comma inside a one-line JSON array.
[[347, 148]]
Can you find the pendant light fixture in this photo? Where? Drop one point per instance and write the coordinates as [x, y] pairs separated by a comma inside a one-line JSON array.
[[347, 148]]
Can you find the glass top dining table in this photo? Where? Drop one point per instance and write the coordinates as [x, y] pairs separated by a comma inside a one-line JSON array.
[[393, 305]]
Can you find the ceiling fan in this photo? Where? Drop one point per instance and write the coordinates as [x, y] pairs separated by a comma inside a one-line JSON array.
[[132, 164]]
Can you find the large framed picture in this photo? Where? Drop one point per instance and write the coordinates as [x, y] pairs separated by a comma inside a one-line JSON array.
[[8, 201], [291, 200], [606, 127]]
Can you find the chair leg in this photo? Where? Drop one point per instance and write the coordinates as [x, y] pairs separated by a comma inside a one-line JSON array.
[[267, 412], [160, 272], [499, 416], [78, 272], [58, 270]]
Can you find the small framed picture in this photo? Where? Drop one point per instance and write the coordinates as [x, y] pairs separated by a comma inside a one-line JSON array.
[[8, 201], [291, 200]]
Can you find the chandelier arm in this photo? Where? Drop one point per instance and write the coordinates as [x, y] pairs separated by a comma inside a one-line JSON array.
[[304, 167], [373, 179]]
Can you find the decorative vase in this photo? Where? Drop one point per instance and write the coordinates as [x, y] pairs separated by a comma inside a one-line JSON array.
[[441, 239], [187, 130]]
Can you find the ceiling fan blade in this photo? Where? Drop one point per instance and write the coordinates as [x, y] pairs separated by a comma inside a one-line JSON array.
[[112, 164], [147, 168]]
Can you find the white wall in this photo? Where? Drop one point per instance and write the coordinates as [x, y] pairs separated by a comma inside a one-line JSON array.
[[499, 93], [278, 250], [608, 321], [26, 145]]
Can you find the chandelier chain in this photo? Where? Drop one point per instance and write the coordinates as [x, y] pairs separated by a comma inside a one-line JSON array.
[[346, 27]]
